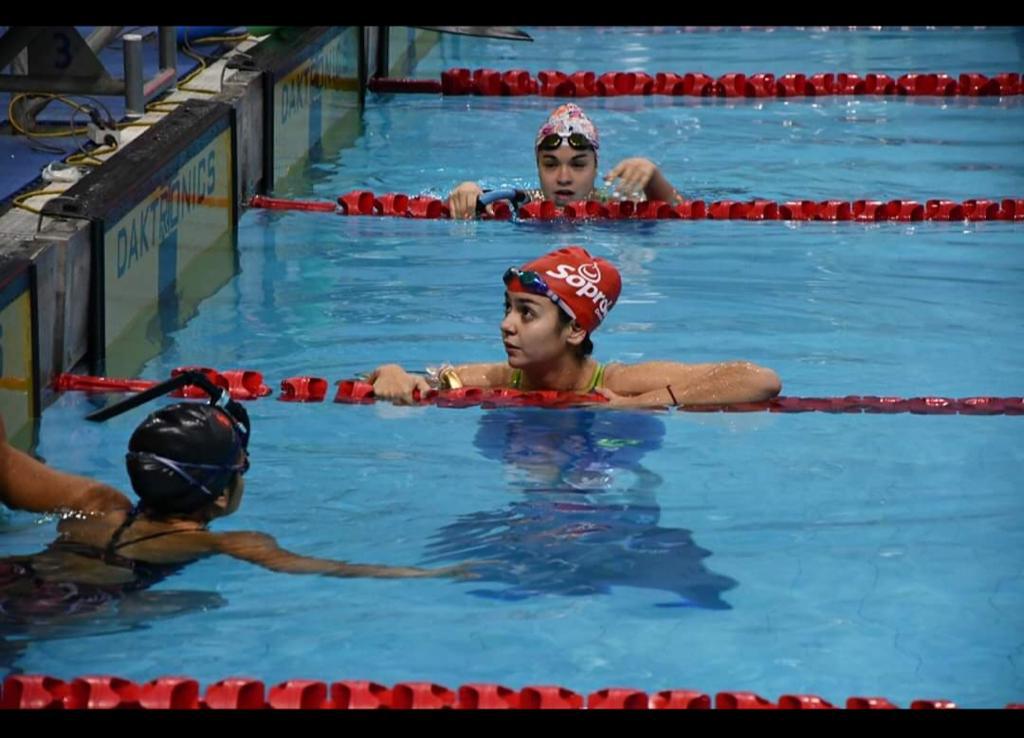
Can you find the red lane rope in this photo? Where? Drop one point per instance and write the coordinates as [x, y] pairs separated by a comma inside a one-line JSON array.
[[365, 202], [38, 692], [553, 83], [241, 384], [248, 385], [353, 391]]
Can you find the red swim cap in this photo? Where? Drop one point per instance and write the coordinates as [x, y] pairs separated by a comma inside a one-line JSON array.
[[587, 285]]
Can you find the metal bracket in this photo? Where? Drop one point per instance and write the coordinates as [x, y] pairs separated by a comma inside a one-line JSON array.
[[60, 61]]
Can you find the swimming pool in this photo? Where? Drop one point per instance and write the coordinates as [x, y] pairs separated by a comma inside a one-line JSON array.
[[830, 554]]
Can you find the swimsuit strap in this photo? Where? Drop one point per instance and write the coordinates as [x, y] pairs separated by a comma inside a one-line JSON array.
[[128, 520], [115, 542], [111, 547], [595, 381]]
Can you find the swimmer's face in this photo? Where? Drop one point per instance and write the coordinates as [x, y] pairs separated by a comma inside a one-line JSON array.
[[532, 332], [566, 174]]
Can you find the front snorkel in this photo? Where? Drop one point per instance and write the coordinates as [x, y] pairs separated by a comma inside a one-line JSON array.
[[515, 197], [219, 397]]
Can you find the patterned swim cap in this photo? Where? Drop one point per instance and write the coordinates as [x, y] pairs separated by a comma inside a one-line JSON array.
[[567, 119]]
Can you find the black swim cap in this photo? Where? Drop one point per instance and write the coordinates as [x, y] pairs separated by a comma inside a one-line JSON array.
[[183, 456]]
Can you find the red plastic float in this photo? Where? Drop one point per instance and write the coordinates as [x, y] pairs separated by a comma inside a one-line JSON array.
[[191, 391], [170, 693], [549, 698], [386, 84], [804, 702], [298, 694], [235, 694], [487, 697], [33, 692], [360, 695], [680, 699], [245, 385], [421, 696], [869, 703], [394, 203], [618, 699], [81, 383], [280, 203], [359, 202], [742, 701], [102, 693], [932, 406], [932, 705], [303, 389]]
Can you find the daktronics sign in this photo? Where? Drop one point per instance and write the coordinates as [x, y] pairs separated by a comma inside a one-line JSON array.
[[585, 280]]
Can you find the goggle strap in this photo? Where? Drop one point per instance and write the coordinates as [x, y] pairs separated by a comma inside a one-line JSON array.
[[176, 468]]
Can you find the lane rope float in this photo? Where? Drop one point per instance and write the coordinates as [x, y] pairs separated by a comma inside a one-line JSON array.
[[555, 83], [105, 692], [366, 203], [249, 385]]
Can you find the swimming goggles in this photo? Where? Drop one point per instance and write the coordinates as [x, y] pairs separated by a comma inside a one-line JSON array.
[[577, 140], [533, 282]]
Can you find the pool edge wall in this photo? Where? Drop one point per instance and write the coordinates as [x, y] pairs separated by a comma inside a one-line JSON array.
[[126, 255]]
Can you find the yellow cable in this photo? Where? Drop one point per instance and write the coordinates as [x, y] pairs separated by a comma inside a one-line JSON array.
[[19, 201], [84, 160], [195, 73], [55, 134], [187, 49], [94, 155]]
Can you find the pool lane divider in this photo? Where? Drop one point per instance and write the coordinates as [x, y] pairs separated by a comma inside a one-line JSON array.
[[103, 692], [554, 83], [366, 203], [248, 385]]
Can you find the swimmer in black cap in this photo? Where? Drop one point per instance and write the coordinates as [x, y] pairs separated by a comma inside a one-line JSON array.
[[186, 463]]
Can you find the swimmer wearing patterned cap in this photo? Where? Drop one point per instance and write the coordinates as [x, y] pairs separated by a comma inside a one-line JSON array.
[[553, 305], [566, 147]]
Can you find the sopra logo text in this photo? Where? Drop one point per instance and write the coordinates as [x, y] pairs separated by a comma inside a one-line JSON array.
[[584, 279]]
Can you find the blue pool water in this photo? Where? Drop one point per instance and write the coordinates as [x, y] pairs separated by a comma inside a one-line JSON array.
[[833, 554], [778, 50]]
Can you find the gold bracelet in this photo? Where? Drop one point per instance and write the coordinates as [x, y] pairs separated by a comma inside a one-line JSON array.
[[449, 379], [443, 377]]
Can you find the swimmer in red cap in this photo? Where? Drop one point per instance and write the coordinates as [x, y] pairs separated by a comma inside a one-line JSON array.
[[552, 306], [566, 148], [186, 463]]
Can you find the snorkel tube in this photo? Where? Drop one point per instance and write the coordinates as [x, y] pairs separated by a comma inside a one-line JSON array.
[[515, 197], [219, 397]]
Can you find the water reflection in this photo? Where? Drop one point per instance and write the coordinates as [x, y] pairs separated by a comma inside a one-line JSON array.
[[35, 606], [585, 519]]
